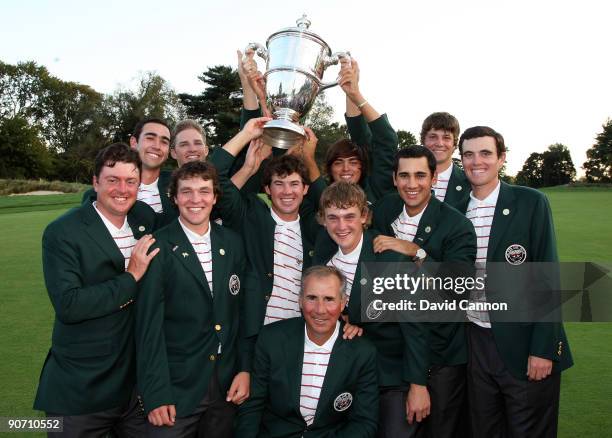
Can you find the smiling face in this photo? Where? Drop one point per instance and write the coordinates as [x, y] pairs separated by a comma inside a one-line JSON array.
[[195, 199], [286, 194], [414, 181], [189, 145], [321, 303], [345, 226], [346, 169], [442, 144], [153, 145], [481, 163], [116, 189]]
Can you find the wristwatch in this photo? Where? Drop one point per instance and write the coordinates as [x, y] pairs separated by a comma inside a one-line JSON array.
[[420, 254]]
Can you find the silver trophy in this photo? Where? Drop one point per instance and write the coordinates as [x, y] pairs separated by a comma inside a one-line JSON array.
[[296, 59]]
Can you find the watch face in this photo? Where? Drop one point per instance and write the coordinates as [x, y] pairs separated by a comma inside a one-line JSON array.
[[421, 253]]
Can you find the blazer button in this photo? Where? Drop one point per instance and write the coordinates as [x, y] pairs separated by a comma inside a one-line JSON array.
[[270, 274], [218, 327], [212, 357], [266, 297]]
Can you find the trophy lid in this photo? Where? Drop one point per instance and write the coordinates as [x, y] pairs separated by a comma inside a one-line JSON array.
[[301, 30]]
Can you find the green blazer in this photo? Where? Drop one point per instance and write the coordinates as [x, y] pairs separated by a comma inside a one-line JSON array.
[[249, 216], [447, 236], [273, 409], [528, 222], [91, 364], [180, 323], [402, 349], [169, 210], [458, 191], [381, 142]]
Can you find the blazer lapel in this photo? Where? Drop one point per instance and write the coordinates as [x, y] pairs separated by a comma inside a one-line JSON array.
[[183, 251], [266, 242], [95, 228], [428, 222], [505, 209], [219, 254], [336, 370], [138, 225], [294, 355]]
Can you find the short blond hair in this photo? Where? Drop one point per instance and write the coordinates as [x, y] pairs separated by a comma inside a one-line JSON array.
[[187, 124], [343, 194]]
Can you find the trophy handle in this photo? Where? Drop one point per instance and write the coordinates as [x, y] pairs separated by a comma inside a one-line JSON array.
[[333, 60], [260, 50]]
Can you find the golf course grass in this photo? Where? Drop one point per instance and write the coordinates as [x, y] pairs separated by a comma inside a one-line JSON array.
[[582, 219]]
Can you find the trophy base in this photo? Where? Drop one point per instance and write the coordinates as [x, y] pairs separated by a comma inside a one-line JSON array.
[[283, 134]]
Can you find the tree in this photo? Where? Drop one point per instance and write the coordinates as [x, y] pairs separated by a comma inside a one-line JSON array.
[[553, 167], [218, 107], [598, 166], [22, 87], [71, 112], [319, 119], [557, 166], [22, 152], [531, 173], [153, 97], [406, 138]]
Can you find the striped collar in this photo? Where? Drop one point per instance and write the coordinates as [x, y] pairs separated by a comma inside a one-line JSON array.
[[295, 225], [489, 200], [195, 237]]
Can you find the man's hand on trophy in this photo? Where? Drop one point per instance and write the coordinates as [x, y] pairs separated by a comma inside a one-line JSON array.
[[255, 78], [241, 64], [254, 127], [348, 78]]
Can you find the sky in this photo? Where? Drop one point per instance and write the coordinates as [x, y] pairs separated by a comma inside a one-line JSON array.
[[538, 71]]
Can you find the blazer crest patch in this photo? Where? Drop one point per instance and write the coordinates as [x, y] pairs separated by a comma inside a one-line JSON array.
[[516, 254], [343, 401], [234, 284]]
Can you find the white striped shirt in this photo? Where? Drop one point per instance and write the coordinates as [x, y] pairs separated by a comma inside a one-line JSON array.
[[314, 367], [405, 227], [202, 247], [481, 214], [288, 260], [149, 194], [123, 237], [347, 264], [442, 183]]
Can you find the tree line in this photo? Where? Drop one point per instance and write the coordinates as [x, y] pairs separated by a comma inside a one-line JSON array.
[[50, 128]]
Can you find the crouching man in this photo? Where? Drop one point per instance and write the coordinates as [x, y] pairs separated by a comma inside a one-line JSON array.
[[187, 320], [307, 380]]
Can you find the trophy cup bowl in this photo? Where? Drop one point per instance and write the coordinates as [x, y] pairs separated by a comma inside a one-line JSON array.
[[296, 59]]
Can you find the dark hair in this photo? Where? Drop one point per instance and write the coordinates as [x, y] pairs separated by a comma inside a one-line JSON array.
[[345, 148], [483, 131], [322, 271], [415, 151], [194, 169], [443, 121], [283, 166], [116, 153], [140, 125]]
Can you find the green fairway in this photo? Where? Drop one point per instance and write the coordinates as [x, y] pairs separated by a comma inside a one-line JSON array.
[[582, 220]]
